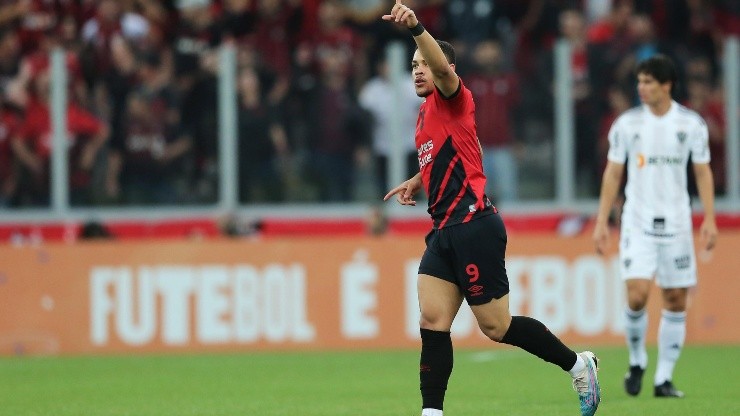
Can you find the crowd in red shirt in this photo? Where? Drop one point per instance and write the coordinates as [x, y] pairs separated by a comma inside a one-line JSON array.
[[142, 115]]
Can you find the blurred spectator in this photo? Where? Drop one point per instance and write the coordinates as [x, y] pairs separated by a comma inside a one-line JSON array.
[[612, 27], [150, 154], [365, 12], [702, 100], [644, 43], [536, 25], [10, 56], [35, 19], [619, 101], [496, 92], [115, 86], [32, 146], [585, 74], [196, 34], [237, 19], [432, 13], [726, 18], [9, 121], [13, 11], [199, 114], [111, 20], [383, 102], [38, 64], [334, 34], [276, 30], [339, 129], [471, 21], [263, 145]]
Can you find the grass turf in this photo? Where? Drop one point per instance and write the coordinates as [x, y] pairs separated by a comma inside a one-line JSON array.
[[495, 382]]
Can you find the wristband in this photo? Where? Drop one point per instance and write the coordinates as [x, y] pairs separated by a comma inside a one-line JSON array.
[[417, 30]]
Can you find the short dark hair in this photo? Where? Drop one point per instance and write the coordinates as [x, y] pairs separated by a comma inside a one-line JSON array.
[[447, 49], [659, 67]]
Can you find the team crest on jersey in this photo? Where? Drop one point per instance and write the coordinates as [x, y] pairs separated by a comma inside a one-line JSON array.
[[681, 136]]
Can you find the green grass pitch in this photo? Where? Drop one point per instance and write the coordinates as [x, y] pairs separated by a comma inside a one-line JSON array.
[[383, 383]]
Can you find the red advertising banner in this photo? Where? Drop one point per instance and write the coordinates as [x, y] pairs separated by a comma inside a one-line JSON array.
[[310, 293]]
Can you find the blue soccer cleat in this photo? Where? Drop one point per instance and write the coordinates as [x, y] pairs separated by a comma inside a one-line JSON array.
[[587, 385]]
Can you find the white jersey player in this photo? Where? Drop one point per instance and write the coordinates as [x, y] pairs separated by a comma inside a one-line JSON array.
[[655, 142]]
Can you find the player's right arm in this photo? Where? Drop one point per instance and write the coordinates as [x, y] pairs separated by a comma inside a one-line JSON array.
[[443, 75], [610, 184], [405, 192]]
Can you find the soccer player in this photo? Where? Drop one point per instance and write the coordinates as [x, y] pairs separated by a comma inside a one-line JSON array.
[[655, 141], [465, 250]]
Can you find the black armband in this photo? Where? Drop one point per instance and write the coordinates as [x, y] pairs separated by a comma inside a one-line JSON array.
[[417, 30]]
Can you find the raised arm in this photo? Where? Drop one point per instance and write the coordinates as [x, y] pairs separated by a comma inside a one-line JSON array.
[[443, 72]]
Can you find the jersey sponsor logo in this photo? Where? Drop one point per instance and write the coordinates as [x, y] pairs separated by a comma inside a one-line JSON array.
[[665, 160], [425, 153], [640, 160]]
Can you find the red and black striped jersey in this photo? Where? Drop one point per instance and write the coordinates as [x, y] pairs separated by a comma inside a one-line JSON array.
[[450, 158]]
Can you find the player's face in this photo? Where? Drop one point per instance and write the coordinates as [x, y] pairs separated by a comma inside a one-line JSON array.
[[651, 91], [421, 75]]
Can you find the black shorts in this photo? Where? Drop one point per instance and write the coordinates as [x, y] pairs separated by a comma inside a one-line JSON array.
[[470, 255]]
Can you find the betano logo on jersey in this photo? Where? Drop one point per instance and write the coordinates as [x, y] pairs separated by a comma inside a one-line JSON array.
[[660, 160]]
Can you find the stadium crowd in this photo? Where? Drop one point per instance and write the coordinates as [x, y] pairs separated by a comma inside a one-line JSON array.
[[312, 91]]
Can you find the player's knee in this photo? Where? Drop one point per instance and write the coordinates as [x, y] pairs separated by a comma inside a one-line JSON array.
[[637, 302], [637, 299], [494, 330], [435, 321], [674, 300]]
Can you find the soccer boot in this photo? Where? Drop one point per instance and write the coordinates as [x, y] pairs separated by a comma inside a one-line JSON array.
[[633, 380], [667, 390], [587, 384]]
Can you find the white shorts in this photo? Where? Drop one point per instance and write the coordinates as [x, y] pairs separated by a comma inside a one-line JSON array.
[[671, 260]]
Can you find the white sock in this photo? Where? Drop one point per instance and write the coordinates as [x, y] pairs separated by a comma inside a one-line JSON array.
[[579, 366], [431, 412], [635, 328], [671, 336]]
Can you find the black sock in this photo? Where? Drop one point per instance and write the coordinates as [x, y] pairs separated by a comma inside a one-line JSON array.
[[435, 367], [533, 336]]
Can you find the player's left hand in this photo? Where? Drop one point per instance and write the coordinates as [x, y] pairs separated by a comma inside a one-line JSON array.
[[708, 234]]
